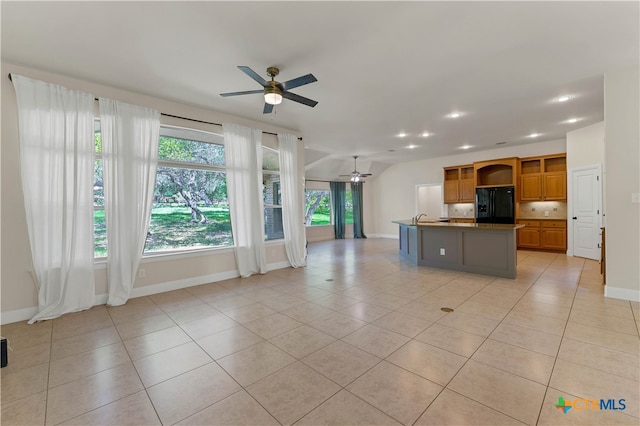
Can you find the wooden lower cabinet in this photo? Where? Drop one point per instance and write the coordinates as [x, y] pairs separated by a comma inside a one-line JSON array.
[[543, 234], [529, 237]]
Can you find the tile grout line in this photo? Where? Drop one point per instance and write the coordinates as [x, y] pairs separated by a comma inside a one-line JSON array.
[[555, 360]]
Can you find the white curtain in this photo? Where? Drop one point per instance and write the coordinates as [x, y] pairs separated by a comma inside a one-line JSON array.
[[56, 160], [292, 201], [243, 156], [130, 157]]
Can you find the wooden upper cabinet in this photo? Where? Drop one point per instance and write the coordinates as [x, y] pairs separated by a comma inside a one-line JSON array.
[[555, 186], [531, 187], [543, 178], [467, 191], [500, 172], [458, 184], [451, 191]]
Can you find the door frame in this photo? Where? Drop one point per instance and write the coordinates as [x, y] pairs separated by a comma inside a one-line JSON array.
[[417, 197], [570, 177]]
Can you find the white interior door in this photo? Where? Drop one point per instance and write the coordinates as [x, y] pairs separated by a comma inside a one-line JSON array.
[[586, 211], [429, 200]]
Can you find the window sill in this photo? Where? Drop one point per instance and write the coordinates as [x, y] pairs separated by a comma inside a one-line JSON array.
[[101, 262]]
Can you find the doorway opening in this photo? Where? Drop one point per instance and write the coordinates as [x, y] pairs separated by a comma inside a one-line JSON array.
[[429, 200]]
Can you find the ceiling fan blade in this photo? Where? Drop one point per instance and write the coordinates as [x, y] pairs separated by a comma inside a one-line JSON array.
[[299, 99], [365, 174], [254, 75], [297, 82], [267, 108], [246, 92]]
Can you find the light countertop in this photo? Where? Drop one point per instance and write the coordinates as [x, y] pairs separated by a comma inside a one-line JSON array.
[[485, 226], [541, 218]]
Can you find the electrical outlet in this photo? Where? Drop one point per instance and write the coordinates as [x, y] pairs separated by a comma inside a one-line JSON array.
[[546, 213], [465, 214], [142, 272], [441, 252], [635, 197]]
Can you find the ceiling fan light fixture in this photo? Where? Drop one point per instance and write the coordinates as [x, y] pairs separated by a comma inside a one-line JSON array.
[[272, 97]]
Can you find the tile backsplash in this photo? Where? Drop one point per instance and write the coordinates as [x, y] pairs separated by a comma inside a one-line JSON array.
[[461, 210], [537, 209], [533, 209]]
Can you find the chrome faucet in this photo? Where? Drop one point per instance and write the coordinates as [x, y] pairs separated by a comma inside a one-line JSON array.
[[417, 218]]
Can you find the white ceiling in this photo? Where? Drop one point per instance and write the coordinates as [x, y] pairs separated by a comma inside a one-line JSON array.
[[382, 67]]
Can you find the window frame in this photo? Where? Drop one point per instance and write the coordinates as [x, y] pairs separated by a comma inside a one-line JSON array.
[[277, 197], [330, 197], [180, 252]]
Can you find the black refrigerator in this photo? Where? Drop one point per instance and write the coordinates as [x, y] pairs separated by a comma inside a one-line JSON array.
[[495, 205]]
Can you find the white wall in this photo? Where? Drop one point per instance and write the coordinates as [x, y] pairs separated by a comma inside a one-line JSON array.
[[585, 147], [19, 294], [622, 163], [393, 192]]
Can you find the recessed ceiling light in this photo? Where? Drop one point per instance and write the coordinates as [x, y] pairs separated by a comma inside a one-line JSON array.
[[412, 146], [401, 135], [425, 134], [466, 146], [534, 135], [572, 120], [455, 114], [564, 98]]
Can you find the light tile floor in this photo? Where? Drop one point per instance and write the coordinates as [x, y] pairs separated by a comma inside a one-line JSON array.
[[356, 337]]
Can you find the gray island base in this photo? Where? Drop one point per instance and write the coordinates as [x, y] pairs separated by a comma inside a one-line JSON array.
[[480, 248]]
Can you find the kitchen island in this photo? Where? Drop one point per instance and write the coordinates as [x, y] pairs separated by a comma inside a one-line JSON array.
[[481, 248]]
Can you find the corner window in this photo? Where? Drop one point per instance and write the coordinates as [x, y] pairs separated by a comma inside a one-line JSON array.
[[317, 207]]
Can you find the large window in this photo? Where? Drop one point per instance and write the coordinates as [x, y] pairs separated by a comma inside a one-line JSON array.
[[99, 225], [190, 208], [348, 206], [317, 207], [318, 204], [273, 229]]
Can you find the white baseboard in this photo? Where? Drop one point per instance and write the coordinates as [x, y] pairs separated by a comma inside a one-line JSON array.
[[393, 236], [18, 315], [622, 293], [101, 299], [279, 265], [148, 290]]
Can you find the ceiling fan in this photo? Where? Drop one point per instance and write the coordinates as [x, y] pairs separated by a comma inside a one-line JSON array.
[[273, 90], [355, 175]]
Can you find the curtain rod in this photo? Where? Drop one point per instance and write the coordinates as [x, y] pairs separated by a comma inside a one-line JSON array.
[[193, 119], [329, 181]]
